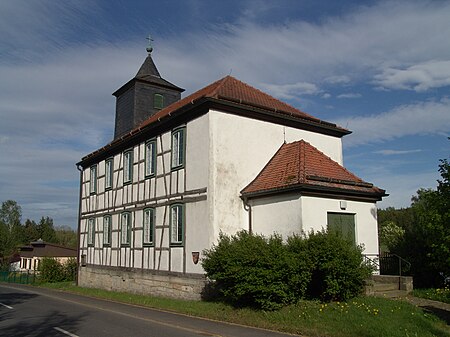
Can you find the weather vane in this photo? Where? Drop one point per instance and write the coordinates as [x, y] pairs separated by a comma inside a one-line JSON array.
[[149, 47]]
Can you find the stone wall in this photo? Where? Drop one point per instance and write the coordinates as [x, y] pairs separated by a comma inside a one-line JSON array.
[[140, 281]]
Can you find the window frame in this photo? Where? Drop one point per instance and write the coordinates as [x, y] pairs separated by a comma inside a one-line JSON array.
[[91, 232], [151, 225], [150, 158], [180, 225], [128, 229], [128, 167], [180, 151], [108, 231], [158, 98], [109, 173], [93, 179]]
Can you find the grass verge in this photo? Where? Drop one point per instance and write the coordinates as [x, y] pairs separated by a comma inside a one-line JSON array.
[[441, 294], [360, 317]]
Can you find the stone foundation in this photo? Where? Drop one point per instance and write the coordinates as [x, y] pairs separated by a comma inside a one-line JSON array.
[[145, 282]]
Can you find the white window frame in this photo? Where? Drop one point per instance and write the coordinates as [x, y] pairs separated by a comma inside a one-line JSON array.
[[109, 171], [93, 179], [150, 158], [128, 166], [125, 228], [178, 148], [177, 224], [148, 234], [91, 232], [107, 222]]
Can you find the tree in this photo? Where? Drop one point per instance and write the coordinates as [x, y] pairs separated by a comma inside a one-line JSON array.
[[46, 230], [10, 228], [426, 243], [66, 236], [30, 230]]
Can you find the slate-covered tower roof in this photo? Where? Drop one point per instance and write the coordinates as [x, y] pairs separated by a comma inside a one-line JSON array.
[[143, 96]]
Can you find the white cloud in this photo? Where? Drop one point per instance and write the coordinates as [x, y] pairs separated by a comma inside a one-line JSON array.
[[326, 95], [396, 152], [349, 95], [413, 119], [291, 91], [338, 79], [419, 77]]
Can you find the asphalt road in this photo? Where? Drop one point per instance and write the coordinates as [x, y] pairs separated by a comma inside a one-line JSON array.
[[29, 311]]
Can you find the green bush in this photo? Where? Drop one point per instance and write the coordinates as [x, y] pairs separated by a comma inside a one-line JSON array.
[[266, 273], [52, 270], [339, 270], [250, 270]]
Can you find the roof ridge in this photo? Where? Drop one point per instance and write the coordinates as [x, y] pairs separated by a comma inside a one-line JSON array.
[[222, 82], [302, 159], [334, 162]]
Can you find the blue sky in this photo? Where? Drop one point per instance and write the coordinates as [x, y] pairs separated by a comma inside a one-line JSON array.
[[379, 68]]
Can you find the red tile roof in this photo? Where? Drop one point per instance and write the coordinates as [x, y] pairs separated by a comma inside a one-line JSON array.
[[301, 165], [231, 89]]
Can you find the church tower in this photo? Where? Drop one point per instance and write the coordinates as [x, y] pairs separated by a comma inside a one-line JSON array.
[[143, 96]]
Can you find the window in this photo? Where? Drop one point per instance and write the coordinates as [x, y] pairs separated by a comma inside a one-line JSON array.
[[125, 228], [127, 166], [91, 232], [150, 158], [109, 168], [107, 230], [158, 101], [176, 224], [343, 224], [178, 148], [149, 225], [93, 185]]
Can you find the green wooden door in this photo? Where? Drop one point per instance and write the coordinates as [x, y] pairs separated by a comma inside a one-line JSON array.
[[344, 224]]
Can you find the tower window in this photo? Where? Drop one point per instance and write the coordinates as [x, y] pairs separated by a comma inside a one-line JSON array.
[[158, 101]]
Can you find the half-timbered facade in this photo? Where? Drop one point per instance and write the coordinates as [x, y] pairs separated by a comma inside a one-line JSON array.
[[225, 158]]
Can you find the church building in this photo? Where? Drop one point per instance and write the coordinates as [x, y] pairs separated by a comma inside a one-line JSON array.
[[226, 158]]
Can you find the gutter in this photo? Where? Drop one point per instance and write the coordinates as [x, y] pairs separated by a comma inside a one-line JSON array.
[[248, 208], [79, 168]]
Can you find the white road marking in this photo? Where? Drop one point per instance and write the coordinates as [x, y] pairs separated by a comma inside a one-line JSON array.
[[6, 306], [65, 332]]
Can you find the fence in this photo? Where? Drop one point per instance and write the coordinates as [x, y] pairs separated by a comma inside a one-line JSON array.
[[22, 277]]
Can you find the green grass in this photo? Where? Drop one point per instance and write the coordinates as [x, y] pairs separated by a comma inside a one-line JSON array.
[[441, 295], [360, 317]]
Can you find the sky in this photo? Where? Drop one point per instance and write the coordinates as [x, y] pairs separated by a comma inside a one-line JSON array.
[[379, 68]]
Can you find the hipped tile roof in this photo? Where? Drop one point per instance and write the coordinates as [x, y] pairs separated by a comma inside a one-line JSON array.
[[230, 90], [301, 165]]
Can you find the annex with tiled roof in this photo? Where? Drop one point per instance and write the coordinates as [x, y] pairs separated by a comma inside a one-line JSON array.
[[232, 95], [301, 166]]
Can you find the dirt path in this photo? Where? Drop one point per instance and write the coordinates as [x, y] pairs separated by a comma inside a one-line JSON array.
[[440, 309]]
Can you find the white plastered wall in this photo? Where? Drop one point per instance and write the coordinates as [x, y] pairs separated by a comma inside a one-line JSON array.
[[240, 147], [279, 214], [314, 215], [286, 214]]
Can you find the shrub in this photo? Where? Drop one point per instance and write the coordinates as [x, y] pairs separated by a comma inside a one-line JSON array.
[[250, 270], [52, 270], [266, 273], [339, 270]]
